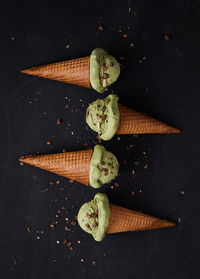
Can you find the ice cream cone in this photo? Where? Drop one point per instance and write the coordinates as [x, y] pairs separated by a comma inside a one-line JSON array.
[[123, 219], [75, 71], [133, 122], [73, 165]]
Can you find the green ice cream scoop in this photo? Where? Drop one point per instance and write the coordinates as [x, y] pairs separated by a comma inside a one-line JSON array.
[[104, 69], [102, 116], [93, 216], [104, 167]]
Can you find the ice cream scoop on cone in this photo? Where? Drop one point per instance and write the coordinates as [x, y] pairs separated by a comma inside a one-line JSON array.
[[96, 71], [93, 167], [107, 117], [99, 217]]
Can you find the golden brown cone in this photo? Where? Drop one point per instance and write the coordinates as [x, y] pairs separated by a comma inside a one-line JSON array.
[[75, 71], [133, 122], [73, 165], [123, 220]]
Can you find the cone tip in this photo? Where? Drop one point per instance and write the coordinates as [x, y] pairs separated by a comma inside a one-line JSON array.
[[25, 71]]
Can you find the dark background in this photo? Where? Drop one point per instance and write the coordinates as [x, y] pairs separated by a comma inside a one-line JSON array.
[[164, 84]]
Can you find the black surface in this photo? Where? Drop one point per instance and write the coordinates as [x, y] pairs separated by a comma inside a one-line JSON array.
[[165, 85]]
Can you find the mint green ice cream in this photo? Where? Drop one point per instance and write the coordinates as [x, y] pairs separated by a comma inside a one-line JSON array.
[[102, 116], [104, 69], [93, 216], [104, 167]]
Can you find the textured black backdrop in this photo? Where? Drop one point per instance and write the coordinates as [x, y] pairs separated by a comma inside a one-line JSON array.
[[166, 181]]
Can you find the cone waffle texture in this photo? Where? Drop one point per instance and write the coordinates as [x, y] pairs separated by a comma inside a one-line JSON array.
[[133, 122], [73, 165], [76, 71], [123, 219]]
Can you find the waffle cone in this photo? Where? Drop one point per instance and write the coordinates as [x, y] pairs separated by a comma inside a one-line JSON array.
[[73, 165], [133, 122], [123, 220], [75, 71]]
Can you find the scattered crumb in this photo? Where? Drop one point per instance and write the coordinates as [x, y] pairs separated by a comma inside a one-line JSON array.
[[101, 28], [67, 106], [71, 180], [69, 124], [69, 244], [121, 58], [118, 138], [133, 172], [85, 144], [52, 226], [66, 228], [44, 113], [66, 219], [179, 220], [73, 223], [12, 38], [63, 208], [167, 37], [128, 27], [136, 163], [51, 183], [131, 145], [135, 136], [81, 100], [63, 150], [125, 36], [111, 187], [68, 45], [144, 153], [120, 29], [146, 166], [57, 181], [135, 13], [79, 241], [62, 188], [21, 163], [71, 249], [48, 142], [58, 242], [124, 162], [116, 184], [59, 121], [132, 193], [93, 263], [82, 260], [132, 45], [64, 241], [86, 127], [182, 193], [28, 230]]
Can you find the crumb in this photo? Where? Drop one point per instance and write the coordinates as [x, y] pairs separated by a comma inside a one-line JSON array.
[[57, 181], [118, 138], [59, 121], [132, 45], [66, 219], [44, 113], [63, 150], [58, 242], [133, 172], [71, 249], [101, 28], [128, 27], [85, 144], [52, 226], [59, 211], [120, 29], [83, 105], [69, 124], [135, 13], [66, 228], [131, 145], [136, 163], [121, 58], [21, 163], [93, 263], [79, 241], [82, 260], [125, 36], [51, 183], [73, 223], [69, 244], [68, 45], [132, 193], [62, 189], [116, 184], [144, 153], [64, 241], [135, 136], [146, 166], [97, 33], [63, 208], [111, 187], [48, 142], [86, 127], [28, 230], [81, 100], [179, 220], [140, 61], [167, 37], [182, 193], [124, 162], [71, 180], [144, 58], [12, 38], [67, 106]]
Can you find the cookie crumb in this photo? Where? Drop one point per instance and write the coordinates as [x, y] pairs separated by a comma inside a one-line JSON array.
[[57, 181], [135, 13], [71, 180], [28, 230], [59, 121], [48, 142], [93, 263], [182, 193], [67, 106], [21, 163], [132, 45], [101, 28], [68, 45], [52, 226], [12, 38], [179, 220], [73, 223], [167, 37], [125, 36], [133, 172], [132, 193], [116, 184]]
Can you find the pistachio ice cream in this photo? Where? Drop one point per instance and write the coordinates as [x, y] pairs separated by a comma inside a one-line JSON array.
[[104, 69], [93, 216], [102, 116], [104, 167]]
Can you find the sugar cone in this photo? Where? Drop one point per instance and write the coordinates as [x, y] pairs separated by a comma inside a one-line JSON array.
[[133, 122], [123, 220], [76, 71], [74, 165]]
